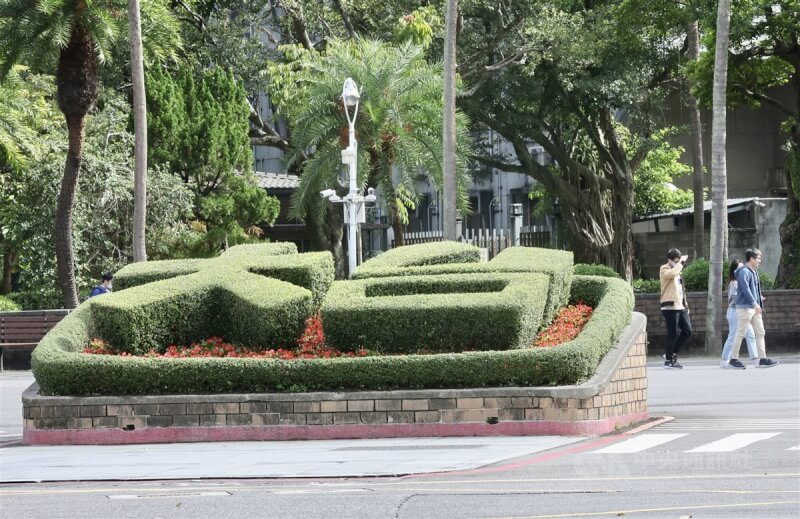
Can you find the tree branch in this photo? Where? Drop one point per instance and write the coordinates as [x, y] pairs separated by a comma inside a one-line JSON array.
[[348, 24]]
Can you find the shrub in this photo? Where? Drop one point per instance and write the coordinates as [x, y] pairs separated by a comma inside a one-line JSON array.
[[555, 263], [767, 281], [37, 299], [233, 296], [647, 286], [7, 305], [695, 276], [423, 254], [594, 269], [453, 312], [61, 368]]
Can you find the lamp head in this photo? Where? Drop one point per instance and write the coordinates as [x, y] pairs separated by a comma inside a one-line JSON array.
[[350, 95]]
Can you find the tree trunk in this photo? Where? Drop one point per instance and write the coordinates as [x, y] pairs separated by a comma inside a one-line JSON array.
[[448, 126], [789, 266], [399, 233], [140, 131], [65, 263], [76, 93], [719, 183], [600, 224], [697, 151], [9, 260]]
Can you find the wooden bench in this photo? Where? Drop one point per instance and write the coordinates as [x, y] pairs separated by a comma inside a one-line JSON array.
[[24, 330]]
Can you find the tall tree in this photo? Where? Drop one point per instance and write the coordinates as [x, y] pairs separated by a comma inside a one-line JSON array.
[[719, 181], [398, 126], [140, 131], [696, 145], [764, 57], [81, 34], [449, 122], [567, 75], [198, 130]]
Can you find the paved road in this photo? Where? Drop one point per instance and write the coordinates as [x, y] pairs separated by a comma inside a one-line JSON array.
[[732, 450]]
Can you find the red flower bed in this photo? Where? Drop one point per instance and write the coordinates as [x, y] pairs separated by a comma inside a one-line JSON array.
[[310, 345], [566, 326]]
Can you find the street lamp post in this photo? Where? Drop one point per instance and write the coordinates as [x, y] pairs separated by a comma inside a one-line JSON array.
[[353, 201]]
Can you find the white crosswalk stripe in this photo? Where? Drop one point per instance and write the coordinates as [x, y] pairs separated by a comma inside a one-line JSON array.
[[638, 443], [734, 442], [728, 443], [751, 424]]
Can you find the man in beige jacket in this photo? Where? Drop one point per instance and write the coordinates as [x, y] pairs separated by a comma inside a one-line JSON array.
[[674, 307]]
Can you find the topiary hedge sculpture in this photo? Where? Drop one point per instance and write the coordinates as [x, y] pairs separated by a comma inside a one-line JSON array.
[[232, 294]]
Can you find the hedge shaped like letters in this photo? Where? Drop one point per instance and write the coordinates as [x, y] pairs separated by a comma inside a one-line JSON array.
[[446, 313], [423, 254], [61, 369], [557, 264], [232, 296]]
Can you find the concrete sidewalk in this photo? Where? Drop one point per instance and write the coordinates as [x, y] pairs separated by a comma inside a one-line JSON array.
[[274, 459]]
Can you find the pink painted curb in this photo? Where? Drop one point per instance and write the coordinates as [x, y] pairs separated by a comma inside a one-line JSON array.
[[101, 436]]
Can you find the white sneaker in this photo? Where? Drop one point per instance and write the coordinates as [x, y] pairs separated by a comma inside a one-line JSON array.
[[725, 364]]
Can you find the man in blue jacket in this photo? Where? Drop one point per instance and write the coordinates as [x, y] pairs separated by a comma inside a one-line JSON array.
[[749, 309]]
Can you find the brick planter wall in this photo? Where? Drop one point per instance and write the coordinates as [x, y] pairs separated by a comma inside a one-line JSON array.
[[615, 396], [781, 320]]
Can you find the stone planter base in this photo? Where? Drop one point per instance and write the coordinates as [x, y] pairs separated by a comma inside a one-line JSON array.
[[616, 396]]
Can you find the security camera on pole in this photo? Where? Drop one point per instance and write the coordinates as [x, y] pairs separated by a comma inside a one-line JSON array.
[[353, 201]]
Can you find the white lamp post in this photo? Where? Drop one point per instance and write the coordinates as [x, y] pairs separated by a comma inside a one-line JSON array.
[[353, 201]]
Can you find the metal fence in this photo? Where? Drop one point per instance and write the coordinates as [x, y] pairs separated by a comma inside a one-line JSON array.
[[494, 240]]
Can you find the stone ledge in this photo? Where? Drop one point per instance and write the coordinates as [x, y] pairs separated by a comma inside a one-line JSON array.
[[615, 395]]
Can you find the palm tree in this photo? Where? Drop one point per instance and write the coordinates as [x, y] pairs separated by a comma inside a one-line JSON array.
[[16, 135], [399, 126], [140, 131], [77, 36], [449, 122], [719, 182]]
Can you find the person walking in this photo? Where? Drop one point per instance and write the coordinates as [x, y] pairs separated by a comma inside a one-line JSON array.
[[749, 336], [105, 285], [749, 310], [674, 307]]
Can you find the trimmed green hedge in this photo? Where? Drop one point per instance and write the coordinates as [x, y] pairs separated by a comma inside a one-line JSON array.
[[257, 295], [555, 263], [423, 254], [60, 368], [452, 312], [232, 305], [594, 269]]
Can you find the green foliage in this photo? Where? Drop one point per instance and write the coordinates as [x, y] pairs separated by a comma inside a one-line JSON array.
[[7, 305], [198, 129], [555, 263], [435, 253], [647, 286], [398, 128], [419, 27], [583, 269], [61, 369], [227, 297], [445, 313], [102, 237], [654, 192], [695, 276]]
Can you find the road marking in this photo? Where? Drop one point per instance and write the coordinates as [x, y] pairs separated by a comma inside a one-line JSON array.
[[638, 444], [168, 495], [797, 448], [745, 424], [650, 510], [734, 442]]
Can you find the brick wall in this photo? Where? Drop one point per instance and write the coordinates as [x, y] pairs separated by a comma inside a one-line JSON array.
[[781, 319], [616, 395]]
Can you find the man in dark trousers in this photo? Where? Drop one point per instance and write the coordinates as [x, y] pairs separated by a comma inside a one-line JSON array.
[[749, 310], [674, 307]]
